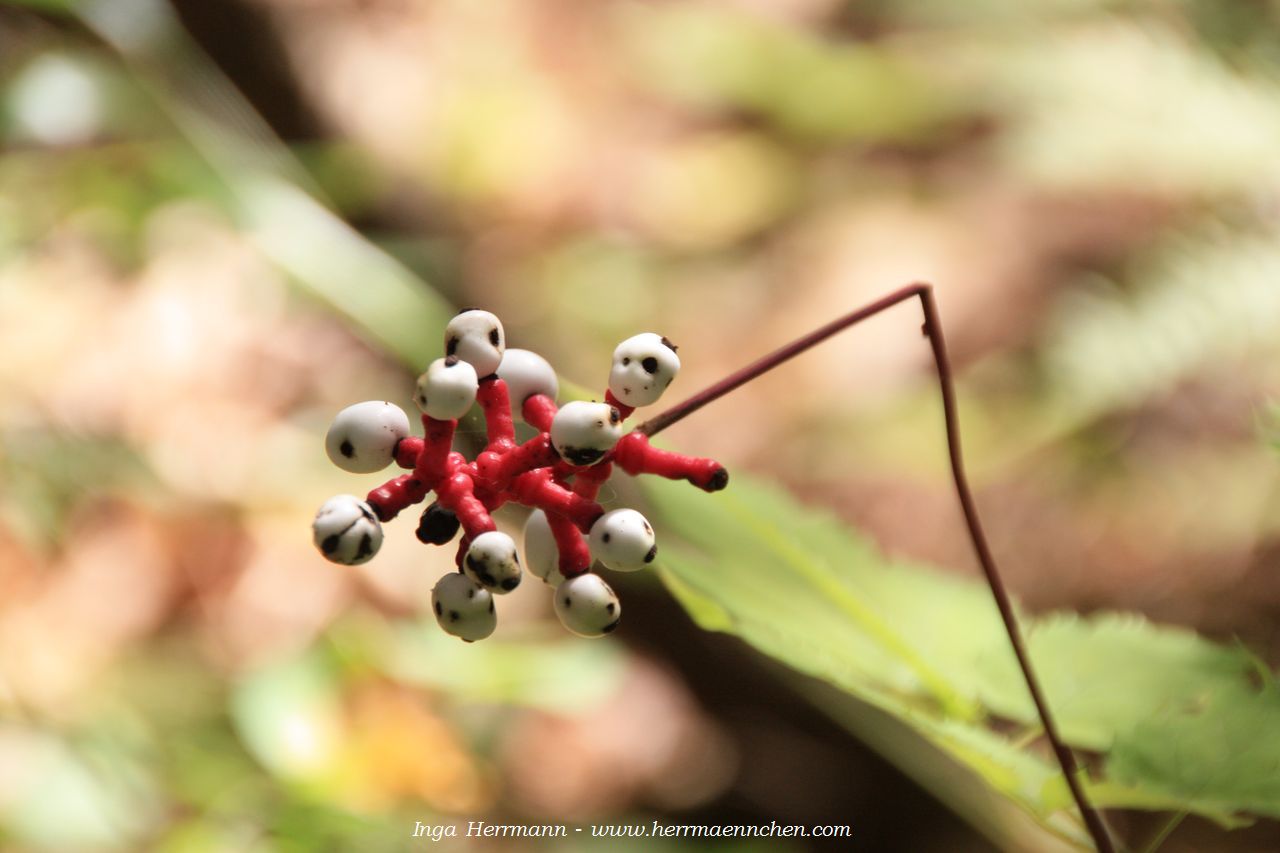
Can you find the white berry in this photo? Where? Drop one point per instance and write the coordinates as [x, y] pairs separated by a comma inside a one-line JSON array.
[[584, 432], [477, 338], [492, 562], [448, 388], [527, 373], [587, 606], [643, 367], [346, 531], [463, 608], [541, 556], [623, 540], [363, 438]]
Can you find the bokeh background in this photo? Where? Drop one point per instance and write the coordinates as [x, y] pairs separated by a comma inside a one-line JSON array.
[[222, 222]]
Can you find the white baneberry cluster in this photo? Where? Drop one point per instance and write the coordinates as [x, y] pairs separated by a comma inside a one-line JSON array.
[[558, 473]]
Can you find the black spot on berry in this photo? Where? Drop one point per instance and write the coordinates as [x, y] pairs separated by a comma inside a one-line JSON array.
[[366, 546], [481, 571], [451, 346], [465, 310], [490, 606], [511, 583], [607, 537], [653, 552], [330, 544], [366, 512], [454, 616], [495, 337], [582, 455], [614, 415], [610, 607], [647, 528], [439, 609], [608, 629], [568, 602], [650, 365], [626, 361], [346, 449], [451, 361], [667, 343], [471, 593]]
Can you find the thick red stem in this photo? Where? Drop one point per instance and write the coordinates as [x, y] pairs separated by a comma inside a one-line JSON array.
[[496, 404], [622, 407], [395, 495], [456, 493], [433, 460], [575, 556], [407, 451], [536, 489], [538, 412], [587, 481], [535, 453], [635, 455]]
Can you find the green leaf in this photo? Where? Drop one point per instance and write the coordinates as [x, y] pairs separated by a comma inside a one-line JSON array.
[[929, 650], [1214, 749], [1102, 674], [787, 578]]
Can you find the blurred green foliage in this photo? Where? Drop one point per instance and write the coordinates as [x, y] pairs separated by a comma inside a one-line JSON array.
[[930, 650]]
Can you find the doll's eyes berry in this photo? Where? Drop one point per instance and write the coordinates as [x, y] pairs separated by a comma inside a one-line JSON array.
[[492, 562], [540, 554], [476, 337], [463, 609], [588, 606], [623, 540], [584, 432], [557, 473], [362, 438], [447, 390], [526, 374], [643, 367], [346, 531]]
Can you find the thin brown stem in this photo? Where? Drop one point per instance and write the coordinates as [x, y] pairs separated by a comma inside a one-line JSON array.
[[933, 330], [766, 363]]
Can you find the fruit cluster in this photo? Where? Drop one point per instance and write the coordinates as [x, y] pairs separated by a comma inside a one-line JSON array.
[[558, 473]]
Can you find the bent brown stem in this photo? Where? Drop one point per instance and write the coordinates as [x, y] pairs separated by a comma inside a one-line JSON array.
[[933, 331]]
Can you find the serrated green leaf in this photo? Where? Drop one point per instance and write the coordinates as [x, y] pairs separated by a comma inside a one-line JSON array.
[[929, 650], [1102, 674], [1215, 749]]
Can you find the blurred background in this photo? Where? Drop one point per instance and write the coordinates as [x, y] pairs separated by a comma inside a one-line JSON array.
[[220, 223]]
